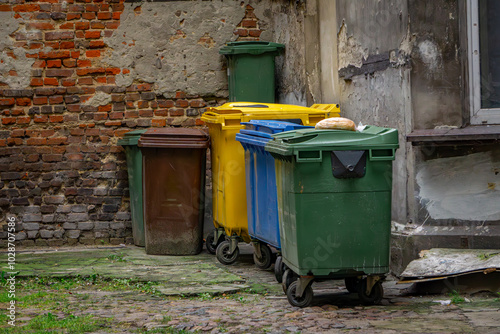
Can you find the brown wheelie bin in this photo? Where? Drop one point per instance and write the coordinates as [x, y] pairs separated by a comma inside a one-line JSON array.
[[173, 189]]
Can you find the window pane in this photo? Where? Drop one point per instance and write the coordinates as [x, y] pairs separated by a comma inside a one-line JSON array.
[[489, 40]]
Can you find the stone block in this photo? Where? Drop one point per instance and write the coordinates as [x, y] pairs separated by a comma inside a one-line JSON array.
[[30, 217], [55, 242], [117, 225], [116, 241], [80, 208], [69, 226], [72, 234], [85, 226], [41, 242], [58, 234], [77, 217], [87, 241], [31, 226], [46, 234], [48, 218], [21, 236], [64, 209], [101, 234], [27, 243], [101, 225], [32, 234]]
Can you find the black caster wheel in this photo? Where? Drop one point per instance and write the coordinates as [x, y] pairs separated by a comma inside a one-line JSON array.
[[223, 254], [267, 257], [279, 269], [351, 284], [303, 301], [288, 278], [375, 295], [209, 242]]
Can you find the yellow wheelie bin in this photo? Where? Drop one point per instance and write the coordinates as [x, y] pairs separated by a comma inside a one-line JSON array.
[[228, 165]]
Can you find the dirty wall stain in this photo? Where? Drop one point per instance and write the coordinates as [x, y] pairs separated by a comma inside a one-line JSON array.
[[461, 187]]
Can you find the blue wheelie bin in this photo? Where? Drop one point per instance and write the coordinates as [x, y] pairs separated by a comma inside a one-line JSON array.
[[263, 223]]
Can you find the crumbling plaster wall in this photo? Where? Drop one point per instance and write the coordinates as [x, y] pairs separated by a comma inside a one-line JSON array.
[[288, 28], [15, 67], [436, 63], [374, 83], [179, 51]]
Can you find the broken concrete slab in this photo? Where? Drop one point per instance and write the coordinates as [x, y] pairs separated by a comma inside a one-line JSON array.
[[439, 262], [176, 274]]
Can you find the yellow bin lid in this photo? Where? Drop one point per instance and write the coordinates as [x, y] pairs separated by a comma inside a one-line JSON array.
[[233, 113]]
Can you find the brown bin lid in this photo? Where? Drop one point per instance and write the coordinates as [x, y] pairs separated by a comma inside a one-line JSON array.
[[174, 138]]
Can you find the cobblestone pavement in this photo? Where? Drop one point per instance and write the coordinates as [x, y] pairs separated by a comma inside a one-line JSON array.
[[249, 300]]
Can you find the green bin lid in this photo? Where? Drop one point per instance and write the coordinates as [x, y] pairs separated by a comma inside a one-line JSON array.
[[250, 47], [372, 137], [131, 138]]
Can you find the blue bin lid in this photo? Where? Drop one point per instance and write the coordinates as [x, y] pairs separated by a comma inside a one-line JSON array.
[[258, 132]]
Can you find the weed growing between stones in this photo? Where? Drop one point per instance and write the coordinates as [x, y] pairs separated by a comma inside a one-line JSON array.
[[71, 323], [456, 298], [80, 283], [117, 258]]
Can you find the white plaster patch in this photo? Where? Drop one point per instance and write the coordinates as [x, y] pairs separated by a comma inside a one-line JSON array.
[[19, 64], [430, 54], [461, 187], [350, 50], [99, 99]]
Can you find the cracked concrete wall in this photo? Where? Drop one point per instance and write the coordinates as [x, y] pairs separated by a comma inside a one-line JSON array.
[[377, 95], [288, 28], [175, 45], [436, 67]]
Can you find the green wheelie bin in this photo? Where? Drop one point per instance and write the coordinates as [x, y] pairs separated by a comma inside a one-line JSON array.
[[134, 167], [250, 69], [334, 205]]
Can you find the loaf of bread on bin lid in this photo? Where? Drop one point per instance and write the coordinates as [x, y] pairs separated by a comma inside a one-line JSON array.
[[336, 123]]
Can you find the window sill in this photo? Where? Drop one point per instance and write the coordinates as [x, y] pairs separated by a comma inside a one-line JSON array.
[[471, 135]]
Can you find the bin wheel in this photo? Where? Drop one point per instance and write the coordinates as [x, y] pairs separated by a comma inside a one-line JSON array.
[[209, 243], [303, 301], [287, 279], [267, 257], [351, 284], [279, 269], [223, 254], [375, 296]]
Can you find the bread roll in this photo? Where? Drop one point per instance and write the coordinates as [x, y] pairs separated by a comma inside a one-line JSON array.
[[336, 123]]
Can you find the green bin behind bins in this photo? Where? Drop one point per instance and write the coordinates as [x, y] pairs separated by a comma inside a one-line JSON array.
[[334, 199], [250, 67], [134, 166]]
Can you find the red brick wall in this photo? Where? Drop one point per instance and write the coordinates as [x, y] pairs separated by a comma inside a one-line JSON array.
[[61, 173]]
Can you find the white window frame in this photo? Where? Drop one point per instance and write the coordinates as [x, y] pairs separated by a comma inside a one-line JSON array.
[[478, 115]]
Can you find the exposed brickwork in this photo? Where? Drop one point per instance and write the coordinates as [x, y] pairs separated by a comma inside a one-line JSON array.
[[61, 172], [248, 29]]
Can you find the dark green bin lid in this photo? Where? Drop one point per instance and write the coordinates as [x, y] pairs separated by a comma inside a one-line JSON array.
[[372, 137], [131, 138], [251, 47]]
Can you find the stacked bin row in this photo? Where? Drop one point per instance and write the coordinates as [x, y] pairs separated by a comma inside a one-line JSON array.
[[228, 166], [320, 198]]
